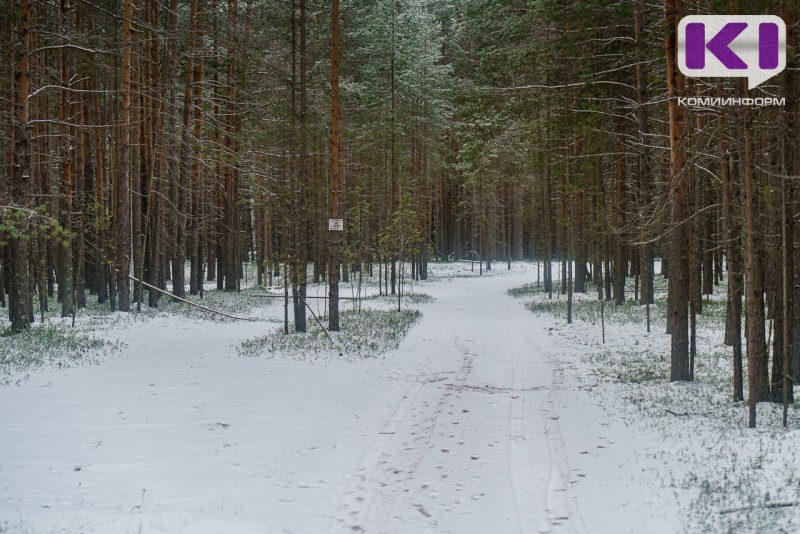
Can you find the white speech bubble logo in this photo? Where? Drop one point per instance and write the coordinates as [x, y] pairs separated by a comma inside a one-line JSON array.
[[732, 46]]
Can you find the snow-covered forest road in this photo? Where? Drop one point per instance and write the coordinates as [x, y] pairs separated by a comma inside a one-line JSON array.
[[476, 424], [474, 443]]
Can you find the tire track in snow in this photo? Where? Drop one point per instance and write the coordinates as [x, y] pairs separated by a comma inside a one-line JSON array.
[[522, 471], [562, 506], [412, 452], [374, 486]]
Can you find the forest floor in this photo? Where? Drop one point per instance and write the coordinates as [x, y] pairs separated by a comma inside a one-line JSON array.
[[477, 410]]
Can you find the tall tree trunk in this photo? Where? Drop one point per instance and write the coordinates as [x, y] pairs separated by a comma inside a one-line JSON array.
[[300, 243], [393, 181], [646, 264], [620, 256], [734, 259], [159, 150], [196, 196], [19, 308], [138, 118], [101, 210], [181, 185], [678, 260], [757, 357], [231, 173], [66, 151], [123, 183], [791, 137], [333, 201]]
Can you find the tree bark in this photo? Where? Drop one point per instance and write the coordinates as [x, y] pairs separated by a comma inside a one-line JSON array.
[[300, 244], [19, 308], [333, 200], [231, 236], [123, 183], [180, 186], [678, 259], [196, 224], [757, 357], [734, 259]]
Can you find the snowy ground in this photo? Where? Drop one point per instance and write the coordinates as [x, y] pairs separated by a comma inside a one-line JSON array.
[[487, 419]]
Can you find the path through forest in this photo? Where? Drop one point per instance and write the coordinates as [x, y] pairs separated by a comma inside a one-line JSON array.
[[475, 444], [475, 425]]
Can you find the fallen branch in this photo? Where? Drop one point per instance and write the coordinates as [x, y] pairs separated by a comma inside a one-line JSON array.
[[228, 315], [678, 414], [685, 414], [777, 504], [149, 286]]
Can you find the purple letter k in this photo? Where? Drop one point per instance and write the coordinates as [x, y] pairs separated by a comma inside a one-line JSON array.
[[718, 45]]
